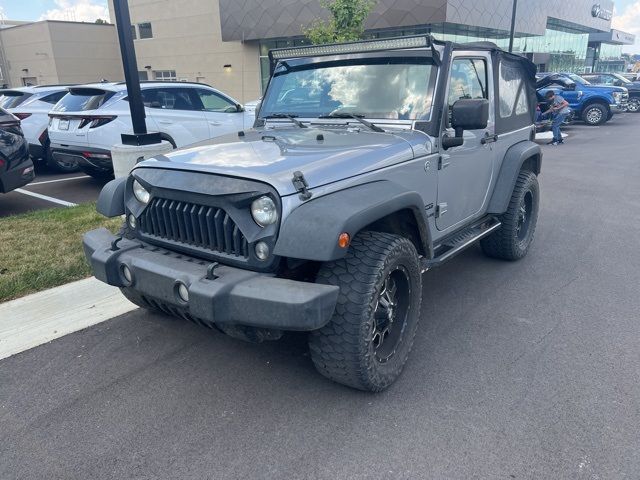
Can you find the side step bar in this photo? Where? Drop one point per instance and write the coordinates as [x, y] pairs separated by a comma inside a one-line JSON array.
[[461, 241]]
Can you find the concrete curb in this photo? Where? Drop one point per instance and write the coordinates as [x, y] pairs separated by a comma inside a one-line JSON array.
[[35, 319]]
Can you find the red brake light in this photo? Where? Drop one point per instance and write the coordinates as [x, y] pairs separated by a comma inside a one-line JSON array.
[[22, 116]]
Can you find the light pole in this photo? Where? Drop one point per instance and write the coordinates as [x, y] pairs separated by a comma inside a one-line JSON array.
[[513, 25], [140, 135]]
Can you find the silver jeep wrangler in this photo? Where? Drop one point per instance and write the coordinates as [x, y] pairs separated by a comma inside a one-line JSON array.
[[369, 163]]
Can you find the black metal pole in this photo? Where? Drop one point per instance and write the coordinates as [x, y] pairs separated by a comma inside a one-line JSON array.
[[513, 25], [130, 67]]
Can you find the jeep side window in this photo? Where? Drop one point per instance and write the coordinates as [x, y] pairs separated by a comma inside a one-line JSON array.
[[468, 79], [513, 97]]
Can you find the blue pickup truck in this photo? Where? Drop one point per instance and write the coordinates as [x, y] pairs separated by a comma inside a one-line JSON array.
[[594, 104]]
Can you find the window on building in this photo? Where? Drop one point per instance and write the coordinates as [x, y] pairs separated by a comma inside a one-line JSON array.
[[165, 75], [143, 75], [145, 30], [133, 32], [212, 102], [53, 98]]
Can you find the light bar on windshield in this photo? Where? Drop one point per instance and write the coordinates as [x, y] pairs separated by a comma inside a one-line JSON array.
[[352, 47]]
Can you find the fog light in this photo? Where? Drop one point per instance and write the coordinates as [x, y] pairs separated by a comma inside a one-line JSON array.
[[262, 251], [127, 275], [183, 292], [132, 222]]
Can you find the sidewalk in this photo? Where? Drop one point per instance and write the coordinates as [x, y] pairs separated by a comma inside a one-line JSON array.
[[44, 316]]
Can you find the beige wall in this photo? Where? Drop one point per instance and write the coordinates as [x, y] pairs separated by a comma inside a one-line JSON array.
[[86, 52], [61, 52], [187, 38]]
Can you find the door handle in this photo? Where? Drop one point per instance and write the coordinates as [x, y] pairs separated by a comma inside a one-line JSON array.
[[165, 122], [488, 138], [215, 123]]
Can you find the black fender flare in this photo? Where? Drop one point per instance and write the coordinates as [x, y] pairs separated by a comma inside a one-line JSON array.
[[311, 231], [512, 163], [111, 198]]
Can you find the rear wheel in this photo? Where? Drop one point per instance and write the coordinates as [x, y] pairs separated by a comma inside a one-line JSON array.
[[595, 114], [368, 340], [102, 175], [513, 239]]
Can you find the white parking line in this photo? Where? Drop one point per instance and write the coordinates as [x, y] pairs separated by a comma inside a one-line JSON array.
[[47, 198], [58, 180]]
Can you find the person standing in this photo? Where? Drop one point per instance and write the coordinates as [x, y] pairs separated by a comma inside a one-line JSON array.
[[559, 110]]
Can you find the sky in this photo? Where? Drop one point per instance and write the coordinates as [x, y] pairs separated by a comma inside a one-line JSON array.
[[626, 15]]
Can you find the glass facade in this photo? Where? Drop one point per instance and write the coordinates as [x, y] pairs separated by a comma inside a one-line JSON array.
[[560, 49]]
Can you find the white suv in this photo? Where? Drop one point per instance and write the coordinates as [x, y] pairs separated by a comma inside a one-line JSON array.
[[32, 105], [88, 121]]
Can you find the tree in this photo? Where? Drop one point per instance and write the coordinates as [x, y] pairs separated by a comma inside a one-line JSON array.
[[345, 24], [100, 21]]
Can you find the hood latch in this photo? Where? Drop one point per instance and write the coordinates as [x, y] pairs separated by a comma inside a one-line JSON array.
[[301, 185]]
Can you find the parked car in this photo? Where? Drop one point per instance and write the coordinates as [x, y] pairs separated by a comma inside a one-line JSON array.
[[370, 163], [16, 167], [632, 76], [89, 120], [617, 80], [32, 105], [593, 104]]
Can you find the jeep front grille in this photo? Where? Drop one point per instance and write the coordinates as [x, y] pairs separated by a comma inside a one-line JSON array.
[[195, 225]]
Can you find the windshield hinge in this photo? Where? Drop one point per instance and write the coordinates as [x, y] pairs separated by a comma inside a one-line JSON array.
[[301, 185]]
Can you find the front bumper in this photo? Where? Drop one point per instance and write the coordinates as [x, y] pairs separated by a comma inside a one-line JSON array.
[[17, 177], [233, 296], [618, 107]]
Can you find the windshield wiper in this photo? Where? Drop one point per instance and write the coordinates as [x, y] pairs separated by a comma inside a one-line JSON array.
[[288, 117], [355, 116]]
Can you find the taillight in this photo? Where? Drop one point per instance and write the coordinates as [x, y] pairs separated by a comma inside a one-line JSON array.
[[22, 116], [12, 126], [96, 121]]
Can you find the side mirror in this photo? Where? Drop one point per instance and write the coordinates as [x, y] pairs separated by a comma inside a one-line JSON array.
[[617, 83], [466, 114], [239, 108]]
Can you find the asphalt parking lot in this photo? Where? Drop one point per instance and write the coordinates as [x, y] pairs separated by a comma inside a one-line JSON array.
[[526, 370], [50, 189]]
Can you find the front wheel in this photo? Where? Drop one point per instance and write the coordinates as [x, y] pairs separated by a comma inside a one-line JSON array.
[[513, 239], [367, 342], [595, 114], [634, 105]]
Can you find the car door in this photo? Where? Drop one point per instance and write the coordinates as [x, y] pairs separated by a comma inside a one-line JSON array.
[[222, 114], [176, 113], [465, 172]]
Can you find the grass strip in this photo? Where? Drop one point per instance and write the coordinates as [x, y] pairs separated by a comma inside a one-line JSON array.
[[43, 249]]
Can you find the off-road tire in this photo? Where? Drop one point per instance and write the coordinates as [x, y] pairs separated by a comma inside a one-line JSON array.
[[589, 118], [343, 350], [505, 243]]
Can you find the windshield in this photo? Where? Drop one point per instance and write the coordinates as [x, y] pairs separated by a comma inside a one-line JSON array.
[[13, 100], [578, 79], [396, 88]]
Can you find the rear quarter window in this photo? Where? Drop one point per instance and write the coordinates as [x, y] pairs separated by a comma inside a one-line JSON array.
[[13, 100]]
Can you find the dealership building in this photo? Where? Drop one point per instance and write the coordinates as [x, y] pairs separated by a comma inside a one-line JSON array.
[[225, 42]]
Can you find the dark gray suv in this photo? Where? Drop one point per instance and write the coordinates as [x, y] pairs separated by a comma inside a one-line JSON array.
[[370, 163]]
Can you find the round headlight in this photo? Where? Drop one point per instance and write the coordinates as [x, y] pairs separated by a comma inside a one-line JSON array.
[[264, 211], [140, 192]]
